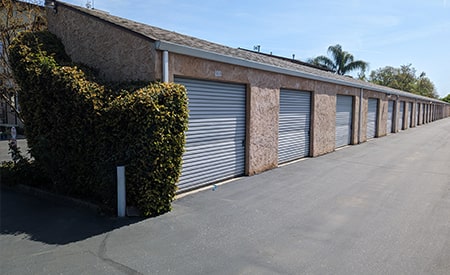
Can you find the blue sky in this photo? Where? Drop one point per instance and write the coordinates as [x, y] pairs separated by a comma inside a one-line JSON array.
[[382, 32]]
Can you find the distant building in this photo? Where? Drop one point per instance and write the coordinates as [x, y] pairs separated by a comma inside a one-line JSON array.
[[32, 17]]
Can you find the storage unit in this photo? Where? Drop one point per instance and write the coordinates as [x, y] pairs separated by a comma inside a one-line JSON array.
[[294, 125], [410, 115], [215, 139], [424, 113], [417, 114], [372, 114], [344, 117], [390, 118], [225, 117], [401, 116]]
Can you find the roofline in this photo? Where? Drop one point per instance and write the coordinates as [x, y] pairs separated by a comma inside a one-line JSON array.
[[213, 56], [296, 61], [82, 10], [199, 53]]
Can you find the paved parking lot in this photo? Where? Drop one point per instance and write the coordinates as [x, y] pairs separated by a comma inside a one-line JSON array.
[[4, 149], [382, 207]]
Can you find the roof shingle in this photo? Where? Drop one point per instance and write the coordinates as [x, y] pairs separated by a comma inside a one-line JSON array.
[[157, 34]]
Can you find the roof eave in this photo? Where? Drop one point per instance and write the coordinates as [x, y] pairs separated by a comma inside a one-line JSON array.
[[199, 53]]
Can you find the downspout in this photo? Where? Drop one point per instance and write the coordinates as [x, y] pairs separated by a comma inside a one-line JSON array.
[[360, 115], [165, 66]]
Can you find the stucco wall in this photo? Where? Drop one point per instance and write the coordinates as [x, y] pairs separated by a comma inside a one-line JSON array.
[[262, 129], [263, 106], [123, 55], [324, 126], [118, 54]]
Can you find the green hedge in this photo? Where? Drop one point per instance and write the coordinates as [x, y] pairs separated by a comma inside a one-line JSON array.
[[79, 130]]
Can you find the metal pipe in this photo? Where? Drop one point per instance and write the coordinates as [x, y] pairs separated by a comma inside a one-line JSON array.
[[165, 67], [121, 191]]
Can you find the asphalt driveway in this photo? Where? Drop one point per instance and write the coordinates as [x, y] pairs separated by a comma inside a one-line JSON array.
[[382, 207], [4, 149]]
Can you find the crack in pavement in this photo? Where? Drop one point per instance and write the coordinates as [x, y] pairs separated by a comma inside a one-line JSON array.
[[123, 268]]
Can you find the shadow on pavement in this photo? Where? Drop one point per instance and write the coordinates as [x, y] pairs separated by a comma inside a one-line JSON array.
[[51, 222]]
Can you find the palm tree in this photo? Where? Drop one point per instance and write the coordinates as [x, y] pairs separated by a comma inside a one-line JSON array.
[[341, 62]]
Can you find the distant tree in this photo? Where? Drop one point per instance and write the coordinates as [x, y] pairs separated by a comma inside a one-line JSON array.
[[15, 16], [401, 78], [446, 99], [405, 79], [340, 62], [424, 86]]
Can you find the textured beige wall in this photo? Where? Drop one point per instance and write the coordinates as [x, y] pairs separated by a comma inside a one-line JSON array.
[[262, 129], [407, 117], [263, 106], [414, 114], [118, 54], [397, 126], [324, 118], [382, 117], [364, 119], [262, 103]]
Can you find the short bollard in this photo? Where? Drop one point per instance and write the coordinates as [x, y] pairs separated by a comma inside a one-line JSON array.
[[121, 192]]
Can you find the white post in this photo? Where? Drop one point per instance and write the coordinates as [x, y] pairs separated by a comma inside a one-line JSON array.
[[165, 65], [121, 192]]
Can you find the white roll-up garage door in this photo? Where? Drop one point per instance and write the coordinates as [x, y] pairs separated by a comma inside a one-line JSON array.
[[417, 114], [372, 112], [424, 113], [411, 115], [293, 125], [390, 118], [344, 116], [401, 115], [215, 140]]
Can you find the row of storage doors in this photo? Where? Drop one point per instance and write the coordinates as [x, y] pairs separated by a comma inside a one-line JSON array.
[[409, 118], [216, 136], [401, 115], [215, 140]]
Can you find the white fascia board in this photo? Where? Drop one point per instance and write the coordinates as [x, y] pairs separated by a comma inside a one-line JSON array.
[[203, 54]]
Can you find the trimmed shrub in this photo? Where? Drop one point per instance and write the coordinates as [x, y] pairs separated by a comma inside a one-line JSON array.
[[79, 130]]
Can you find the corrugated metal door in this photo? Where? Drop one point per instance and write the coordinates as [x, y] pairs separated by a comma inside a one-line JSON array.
[[409, 118], [344, 115], [372, 112], [424, 113], [401, 115], [430, 113], [417, 114], [390, 117], [294, 125], [215, 140]]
